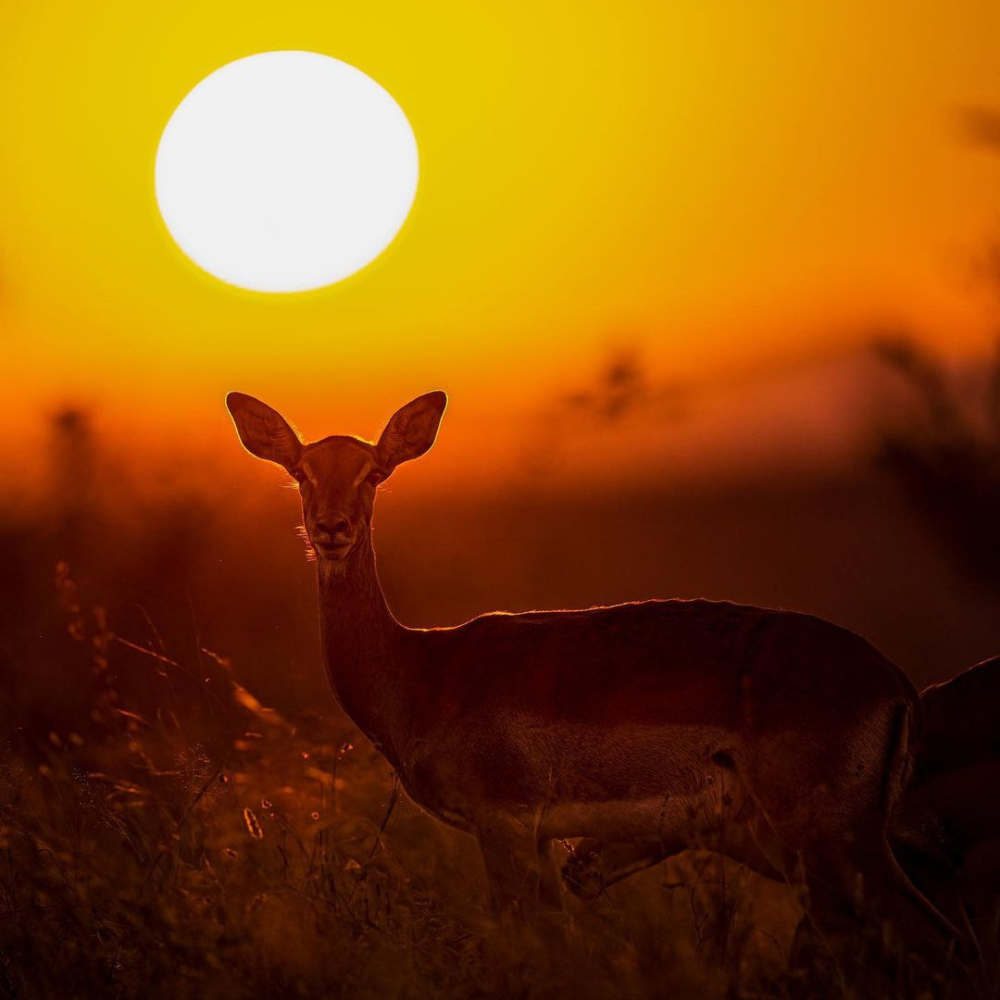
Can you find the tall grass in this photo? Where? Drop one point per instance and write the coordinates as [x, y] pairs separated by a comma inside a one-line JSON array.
[[180, 839]]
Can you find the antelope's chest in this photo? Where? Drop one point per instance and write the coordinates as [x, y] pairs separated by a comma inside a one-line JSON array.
[[436, 789]]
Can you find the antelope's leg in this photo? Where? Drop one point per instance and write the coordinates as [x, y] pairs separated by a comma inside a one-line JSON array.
[[519, 866], [550, 880], [868, 927], [992, 947], [597, 864]]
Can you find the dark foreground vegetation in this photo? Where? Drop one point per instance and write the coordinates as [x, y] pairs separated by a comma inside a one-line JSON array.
[[183, 840]]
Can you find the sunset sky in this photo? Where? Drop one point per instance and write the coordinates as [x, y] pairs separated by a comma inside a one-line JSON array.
[[738, 190]]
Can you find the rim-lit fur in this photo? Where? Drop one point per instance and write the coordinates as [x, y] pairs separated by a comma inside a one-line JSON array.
[[776, 738]]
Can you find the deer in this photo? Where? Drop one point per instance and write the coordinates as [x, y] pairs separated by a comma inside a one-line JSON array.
[[777, 738], [946, 831]]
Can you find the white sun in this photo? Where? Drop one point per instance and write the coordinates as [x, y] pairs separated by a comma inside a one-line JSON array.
[[286, 171]]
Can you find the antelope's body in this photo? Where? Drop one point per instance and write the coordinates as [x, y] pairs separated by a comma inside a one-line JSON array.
[[775, 737], [588, 720]]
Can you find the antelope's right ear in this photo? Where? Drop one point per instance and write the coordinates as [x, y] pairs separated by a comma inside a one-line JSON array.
[[412, 429], [263, 431]]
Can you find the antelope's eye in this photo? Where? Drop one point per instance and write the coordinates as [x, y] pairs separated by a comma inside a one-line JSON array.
[[375, 477], [298, 475]]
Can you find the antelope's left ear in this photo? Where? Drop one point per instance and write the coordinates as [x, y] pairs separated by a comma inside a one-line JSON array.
[[412, 430], [264, 431]]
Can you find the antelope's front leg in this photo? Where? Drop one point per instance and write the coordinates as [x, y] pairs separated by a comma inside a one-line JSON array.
[[519, 866], [596, 864]]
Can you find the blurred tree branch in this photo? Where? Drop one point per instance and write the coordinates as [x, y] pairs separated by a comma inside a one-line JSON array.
[[948, 461], [981, 126]]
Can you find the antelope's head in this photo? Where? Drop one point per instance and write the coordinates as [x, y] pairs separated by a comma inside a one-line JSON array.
[[337, 476]]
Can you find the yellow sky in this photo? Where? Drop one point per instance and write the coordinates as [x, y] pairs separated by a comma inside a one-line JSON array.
[[730, 184]]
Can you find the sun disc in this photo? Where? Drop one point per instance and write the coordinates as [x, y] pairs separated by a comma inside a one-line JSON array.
[[286, 171]]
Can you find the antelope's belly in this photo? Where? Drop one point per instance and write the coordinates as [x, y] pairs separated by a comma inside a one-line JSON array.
[[591, 764]]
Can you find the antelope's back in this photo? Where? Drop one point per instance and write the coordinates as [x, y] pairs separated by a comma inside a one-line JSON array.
[[961, 721], [950, 805], [697, 662]]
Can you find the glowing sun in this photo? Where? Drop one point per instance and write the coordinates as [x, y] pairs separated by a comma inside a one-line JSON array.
[[286, 171]]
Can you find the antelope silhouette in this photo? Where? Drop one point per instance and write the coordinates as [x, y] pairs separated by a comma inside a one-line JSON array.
[[776, 738], [946, 831]]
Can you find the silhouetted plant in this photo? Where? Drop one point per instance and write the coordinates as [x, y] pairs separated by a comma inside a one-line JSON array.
[[624, 387], [948, 459]]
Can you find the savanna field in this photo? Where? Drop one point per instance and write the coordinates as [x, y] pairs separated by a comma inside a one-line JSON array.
[[184, 840], [185, 811], [671, 300]]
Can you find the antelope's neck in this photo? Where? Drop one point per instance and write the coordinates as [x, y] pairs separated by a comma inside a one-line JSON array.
[[363, 649]]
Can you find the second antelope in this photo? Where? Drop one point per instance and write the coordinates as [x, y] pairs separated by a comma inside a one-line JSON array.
[[947, 830], [776, 738]]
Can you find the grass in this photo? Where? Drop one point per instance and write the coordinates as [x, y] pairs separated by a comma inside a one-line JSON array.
[[173, 837]]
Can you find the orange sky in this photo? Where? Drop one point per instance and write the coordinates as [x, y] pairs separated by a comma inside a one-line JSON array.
[[734, 186]]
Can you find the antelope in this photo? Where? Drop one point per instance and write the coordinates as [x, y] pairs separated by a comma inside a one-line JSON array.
[[776, 738], [947, 829]]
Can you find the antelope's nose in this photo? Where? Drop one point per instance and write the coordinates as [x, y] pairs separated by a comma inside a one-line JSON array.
[[334, 525]]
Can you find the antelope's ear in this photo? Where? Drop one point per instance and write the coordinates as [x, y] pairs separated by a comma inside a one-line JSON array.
[[263, 431], [412, 430]]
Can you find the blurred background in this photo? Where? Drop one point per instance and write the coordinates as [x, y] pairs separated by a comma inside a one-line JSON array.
[[714, 294]]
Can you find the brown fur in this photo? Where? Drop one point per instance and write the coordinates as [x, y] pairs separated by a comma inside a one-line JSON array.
[[774, 737]]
